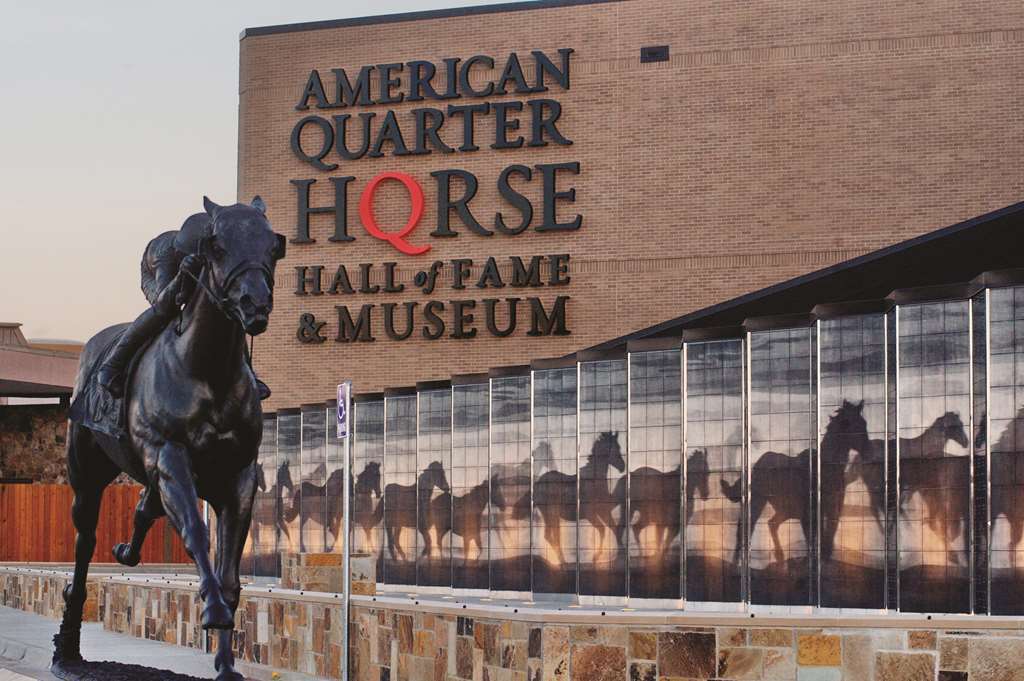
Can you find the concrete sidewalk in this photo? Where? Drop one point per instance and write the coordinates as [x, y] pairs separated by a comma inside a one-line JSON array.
[[26, 645]]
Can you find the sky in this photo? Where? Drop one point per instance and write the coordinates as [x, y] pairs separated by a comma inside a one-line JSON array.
[[116, 118]]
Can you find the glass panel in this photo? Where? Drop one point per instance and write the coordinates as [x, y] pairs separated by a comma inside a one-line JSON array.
[[263, 529], [289, 428], [1006, 440], [602, 475], [434, 495], [510, 484], [554, 481], [892, 492], [655, 413], [471, 485], [313, 470], [979, 462], [334, 504], [782, 437], [715, 485], [934, 466], [851, 424], [367, 489], [400, 470]]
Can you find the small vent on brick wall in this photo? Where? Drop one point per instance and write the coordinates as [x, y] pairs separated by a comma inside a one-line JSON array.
[[653, 54]]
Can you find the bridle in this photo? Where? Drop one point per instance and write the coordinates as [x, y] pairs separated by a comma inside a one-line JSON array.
[[217, 292]]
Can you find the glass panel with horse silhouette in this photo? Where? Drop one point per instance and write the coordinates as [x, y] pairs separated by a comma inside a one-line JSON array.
[[852, 447], [782, 441], [1006, 447], [510, 484], [289, 432], [367, 471], [401, 472], [334, 488], [313, 468], [434, 495], [715, 485], [934, 456], [979, 461], [471, 485], [602, 478], [263, 528], [655, 417], [554, 481]]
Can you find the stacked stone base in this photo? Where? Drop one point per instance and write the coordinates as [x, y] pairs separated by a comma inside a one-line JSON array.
[[399, 639]]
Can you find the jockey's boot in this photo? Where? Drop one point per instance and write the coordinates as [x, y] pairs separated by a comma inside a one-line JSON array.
[[110, 375]]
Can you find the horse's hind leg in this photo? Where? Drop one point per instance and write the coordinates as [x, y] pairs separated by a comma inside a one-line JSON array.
[[146, 513], [89, 472], [233, 517], [178, 494]]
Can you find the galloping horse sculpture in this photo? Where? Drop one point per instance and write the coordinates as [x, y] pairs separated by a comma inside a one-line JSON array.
[[194, 425]]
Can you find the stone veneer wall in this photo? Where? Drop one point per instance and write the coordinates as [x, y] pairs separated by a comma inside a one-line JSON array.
[[32, 442], [397, 639], [40, 592]]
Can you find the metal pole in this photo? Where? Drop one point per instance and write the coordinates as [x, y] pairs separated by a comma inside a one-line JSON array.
[[346, 555]]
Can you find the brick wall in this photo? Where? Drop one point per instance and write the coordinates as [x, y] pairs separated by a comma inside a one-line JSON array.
[[780, 138]]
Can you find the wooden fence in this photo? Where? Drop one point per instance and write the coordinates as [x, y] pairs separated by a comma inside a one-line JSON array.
[[36, 527]]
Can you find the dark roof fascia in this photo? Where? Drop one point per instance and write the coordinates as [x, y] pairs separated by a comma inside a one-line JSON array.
[[554, 363], [404, 391], [470, 379], [609, 355], [368, 397], [933, 294], [713, 333], [779, 321], [662, 344], [1000, 278], [673, 326], [513, 371], [427, 386], [828, 311], [423, 15]]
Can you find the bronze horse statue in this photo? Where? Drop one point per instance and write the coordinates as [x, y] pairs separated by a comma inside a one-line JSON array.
[[194, 425]]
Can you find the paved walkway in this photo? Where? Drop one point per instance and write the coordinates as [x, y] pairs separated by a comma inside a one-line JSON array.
[[26, 646]]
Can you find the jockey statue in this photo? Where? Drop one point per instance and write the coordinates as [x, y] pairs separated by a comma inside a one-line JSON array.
[[170, 268]]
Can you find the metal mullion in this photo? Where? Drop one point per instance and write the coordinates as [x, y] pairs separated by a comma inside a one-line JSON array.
[[628, 515], [969, 538], [746, 477], [579, 376], [816, 462], [988, 448], [684, 447]]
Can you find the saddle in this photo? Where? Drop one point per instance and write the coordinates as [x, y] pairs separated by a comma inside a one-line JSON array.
[[94, 407]]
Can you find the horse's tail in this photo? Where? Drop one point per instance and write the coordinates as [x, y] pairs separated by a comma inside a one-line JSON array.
[[733, 492]]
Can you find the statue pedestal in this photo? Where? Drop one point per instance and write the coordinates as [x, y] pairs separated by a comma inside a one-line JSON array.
[[324, 572]]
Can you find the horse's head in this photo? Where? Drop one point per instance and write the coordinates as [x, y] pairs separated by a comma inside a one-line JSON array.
[[261, 478], [284, 477], [849, 424], [953, 428], [241, 253], [436, 476], [496, 498], [370, 478], [607, 448], [697, 474]]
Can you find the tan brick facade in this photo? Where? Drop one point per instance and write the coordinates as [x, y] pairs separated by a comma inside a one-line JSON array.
[[779, 138]]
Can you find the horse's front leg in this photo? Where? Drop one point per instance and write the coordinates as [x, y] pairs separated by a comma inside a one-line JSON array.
[[178, 494], [148, 511], [233, 517]]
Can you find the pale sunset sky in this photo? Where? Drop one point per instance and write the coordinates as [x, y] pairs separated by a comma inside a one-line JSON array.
[[117, 118]]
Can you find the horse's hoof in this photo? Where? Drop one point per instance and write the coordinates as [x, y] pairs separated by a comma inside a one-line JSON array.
[[123, 555], [229, 675], [217, 615]]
